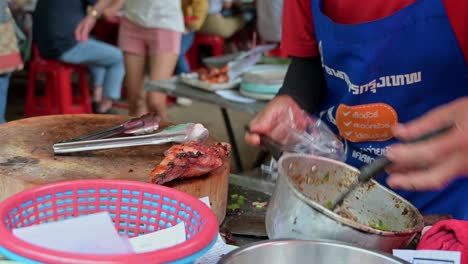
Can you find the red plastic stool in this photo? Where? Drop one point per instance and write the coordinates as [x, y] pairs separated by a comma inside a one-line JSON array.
[[58, 96], [216, 43]]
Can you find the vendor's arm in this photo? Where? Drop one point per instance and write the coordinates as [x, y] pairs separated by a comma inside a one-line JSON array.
[[434, 163], [86, 25], [305, 81], [304, 85]]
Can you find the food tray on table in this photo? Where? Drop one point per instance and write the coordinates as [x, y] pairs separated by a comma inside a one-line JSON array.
[[263, 81], [193, 80]]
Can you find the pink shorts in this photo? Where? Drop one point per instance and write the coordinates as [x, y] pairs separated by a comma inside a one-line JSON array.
[[139, 40]]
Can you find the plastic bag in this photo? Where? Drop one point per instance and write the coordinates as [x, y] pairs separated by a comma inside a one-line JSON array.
[[304, 133]]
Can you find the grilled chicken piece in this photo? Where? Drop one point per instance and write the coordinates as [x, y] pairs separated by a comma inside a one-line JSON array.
[[190, 159]]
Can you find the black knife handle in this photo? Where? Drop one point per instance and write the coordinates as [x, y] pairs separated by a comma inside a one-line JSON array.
[[273, 146]]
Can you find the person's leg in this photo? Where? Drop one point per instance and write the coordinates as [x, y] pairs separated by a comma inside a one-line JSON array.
[[4, 82], [135, 69], [164, 49], [225, 27], [182, 65], [98, 74], [161, 67], [132, 41], [98, 54]]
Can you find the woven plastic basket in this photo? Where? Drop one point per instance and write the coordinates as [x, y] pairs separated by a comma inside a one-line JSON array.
[[135, 207]]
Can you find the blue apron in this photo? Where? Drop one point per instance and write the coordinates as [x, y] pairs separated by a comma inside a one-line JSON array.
[[387, 71]]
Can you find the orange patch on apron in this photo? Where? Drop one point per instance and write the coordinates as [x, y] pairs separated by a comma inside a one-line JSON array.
[[369, 122]]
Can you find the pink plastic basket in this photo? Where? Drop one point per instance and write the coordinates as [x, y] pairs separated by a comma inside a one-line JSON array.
[[135, 207]]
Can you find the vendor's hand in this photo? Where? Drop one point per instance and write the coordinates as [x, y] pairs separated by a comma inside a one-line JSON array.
[[435, 162], [276, 111], [84, 28]]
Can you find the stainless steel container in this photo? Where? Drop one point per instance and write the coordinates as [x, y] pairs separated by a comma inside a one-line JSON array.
[[372, 217], [306, 251]]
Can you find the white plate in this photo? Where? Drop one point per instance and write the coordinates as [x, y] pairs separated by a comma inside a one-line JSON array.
[[265, 97], [192, 80]]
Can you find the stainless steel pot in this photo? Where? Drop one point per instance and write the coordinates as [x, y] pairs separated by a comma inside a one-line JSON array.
[[303, 251], [372, 216]]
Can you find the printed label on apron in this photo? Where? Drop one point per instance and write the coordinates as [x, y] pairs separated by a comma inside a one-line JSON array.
[[368, 122]]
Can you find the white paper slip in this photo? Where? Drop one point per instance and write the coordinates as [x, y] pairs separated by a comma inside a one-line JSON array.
[[235, 96], [158, 240], [206, 201], [219, 248], [164, 238], [90, 234], [428, 256], [215, 253]]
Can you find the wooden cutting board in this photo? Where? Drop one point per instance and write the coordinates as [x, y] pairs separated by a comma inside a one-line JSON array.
[[27, 159]]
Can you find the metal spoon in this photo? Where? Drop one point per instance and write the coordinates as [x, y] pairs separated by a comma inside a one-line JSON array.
[[371, 170], [177, 134]]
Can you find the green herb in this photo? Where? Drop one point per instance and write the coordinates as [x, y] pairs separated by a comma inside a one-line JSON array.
[[329, 205], [241, 200], [233, 206], [237, 201], [326, 177], [379, 226]]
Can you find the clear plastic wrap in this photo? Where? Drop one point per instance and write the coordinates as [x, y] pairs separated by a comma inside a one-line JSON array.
[[303, 133]]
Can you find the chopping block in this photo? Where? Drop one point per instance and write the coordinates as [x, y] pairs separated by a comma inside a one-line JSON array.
[[27, 159]]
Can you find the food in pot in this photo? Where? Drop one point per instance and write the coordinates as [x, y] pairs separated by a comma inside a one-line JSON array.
[[317, 178], [214, 75], [190, 159]]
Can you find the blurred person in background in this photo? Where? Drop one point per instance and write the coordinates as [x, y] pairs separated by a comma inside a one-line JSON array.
[[269, 14], [55, 23], [150, 33], [10, 57], [217, 24], [195, 12]]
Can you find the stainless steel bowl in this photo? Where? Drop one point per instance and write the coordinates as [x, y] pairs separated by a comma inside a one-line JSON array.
[[374, 217], [306, 251]]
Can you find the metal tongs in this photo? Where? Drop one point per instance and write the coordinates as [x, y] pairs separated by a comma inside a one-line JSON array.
[[144, 124], [178, 134]]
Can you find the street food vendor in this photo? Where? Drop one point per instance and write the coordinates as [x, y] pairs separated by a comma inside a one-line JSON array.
[[364, 67]]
